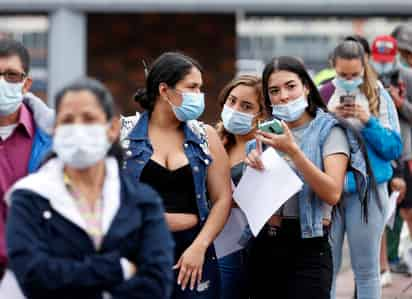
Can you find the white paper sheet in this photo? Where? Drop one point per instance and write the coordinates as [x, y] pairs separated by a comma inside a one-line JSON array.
[[390, 217], [260, 193], [231, 238]]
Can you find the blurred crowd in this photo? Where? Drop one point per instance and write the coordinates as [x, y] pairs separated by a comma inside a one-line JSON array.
[[97, 205]]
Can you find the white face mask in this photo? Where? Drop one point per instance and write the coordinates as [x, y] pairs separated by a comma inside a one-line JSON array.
[[81, 146], [11, 97]]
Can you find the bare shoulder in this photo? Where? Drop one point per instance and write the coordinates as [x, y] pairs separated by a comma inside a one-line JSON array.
[[211, 131], [212, 136], [215, 144]]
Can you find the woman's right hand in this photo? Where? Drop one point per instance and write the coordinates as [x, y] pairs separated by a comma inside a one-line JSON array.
[[253, 160], [340, 111], [190, 266]]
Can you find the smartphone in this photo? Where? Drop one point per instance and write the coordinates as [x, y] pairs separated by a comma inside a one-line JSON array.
[[272, 126], [347, 100]]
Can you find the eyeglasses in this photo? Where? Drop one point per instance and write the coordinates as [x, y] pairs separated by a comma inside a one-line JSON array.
[[13, 76]]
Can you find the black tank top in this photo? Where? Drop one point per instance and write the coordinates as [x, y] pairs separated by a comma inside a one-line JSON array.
[[236, 172], [176, 187]]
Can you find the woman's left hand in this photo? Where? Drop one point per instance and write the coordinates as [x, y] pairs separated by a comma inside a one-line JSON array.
[[361, 113], [191, 265], [281, 142]]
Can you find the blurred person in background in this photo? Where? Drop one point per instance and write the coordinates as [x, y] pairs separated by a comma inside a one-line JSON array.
[[328, 74], [383, 62], [402, 96], [243, 106], [186, 163], [359, 99], [79, 228], [23, 139]]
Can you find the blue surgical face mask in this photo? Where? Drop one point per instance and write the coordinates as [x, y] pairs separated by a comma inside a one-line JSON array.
[[235, 122], [382, 68], [193, 105], [292, 110], [349, 85], [11, 97]]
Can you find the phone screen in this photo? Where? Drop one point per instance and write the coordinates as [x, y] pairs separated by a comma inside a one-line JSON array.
[[273, 126], [347, 100]]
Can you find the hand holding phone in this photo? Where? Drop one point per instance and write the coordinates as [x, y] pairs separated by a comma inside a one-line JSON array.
[[273, 126], [347, 100]]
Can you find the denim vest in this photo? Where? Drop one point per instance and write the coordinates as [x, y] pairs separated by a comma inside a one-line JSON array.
[[138, 151], [310, 206]]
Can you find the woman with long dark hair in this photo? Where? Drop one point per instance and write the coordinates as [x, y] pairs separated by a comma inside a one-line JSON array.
[[291, 256], [185, 162]]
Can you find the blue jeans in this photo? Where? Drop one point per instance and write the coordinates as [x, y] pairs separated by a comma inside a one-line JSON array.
[[364, 241], [209, 287], [233, 276]]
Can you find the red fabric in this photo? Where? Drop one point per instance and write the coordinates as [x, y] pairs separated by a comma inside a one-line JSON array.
[[15, 154], [384, 48]]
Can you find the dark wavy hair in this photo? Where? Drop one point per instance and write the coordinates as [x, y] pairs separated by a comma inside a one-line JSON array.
[[169, 68]]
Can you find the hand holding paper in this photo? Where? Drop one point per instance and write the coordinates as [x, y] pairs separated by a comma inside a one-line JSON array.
[[260, 193]]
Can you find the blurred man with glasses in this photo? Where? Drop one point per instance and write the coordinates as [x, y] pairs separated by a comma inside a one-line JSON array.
[[23, 144]]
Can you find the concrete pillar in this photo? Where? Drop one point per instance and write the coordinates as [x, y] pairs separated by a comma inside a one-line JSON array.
[[66, 50]]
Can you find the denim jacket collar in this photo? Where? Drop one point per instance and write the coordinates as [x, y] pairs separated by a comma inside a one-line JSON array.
[[311, 211], [140, 131]]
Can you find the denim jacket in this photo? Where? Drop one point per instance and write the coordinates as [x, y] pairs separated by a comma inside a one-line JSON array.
[[310, 206], [138, 151]]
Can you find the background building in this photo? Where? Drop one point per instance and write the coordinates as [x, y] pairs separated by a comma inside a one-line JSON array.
[[108, 38]]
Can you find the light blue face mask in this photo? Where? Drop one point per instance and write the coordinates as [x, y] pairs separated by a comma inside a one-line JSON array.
[[192, 107], [382, 68], [235, 122], [349, 85], [290, 111], [11, 97]]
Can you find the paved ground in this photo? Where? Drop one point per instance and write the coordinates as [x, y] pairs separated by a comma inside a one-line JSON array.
[[345, 283], [8, 289], [400, 282]]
